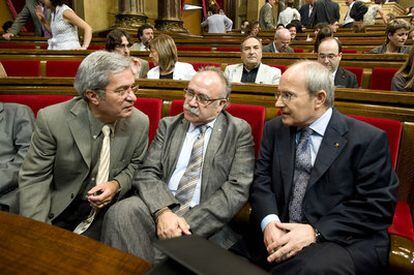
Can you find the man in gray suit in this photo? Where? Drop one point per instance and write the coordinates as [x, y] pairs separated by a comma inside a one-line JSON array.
[[280, 43], [218, 188], [60, 180], [266, 20], [25, 14]]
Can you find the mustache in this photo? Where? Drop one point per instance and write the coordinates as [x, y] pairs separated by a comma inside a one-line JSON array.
[[193, 110]]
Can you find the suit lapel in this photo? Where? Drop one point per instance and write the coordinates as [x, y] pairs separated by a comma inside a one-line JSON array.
[[261, 74], [285, 148], [332, 145], [80, 129], [118, 143], [238, 72], [1, 111], [175, 145]]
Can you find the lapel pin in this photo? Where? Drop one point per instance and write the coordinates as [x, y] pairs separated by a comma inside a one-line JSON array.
[[337, 145]]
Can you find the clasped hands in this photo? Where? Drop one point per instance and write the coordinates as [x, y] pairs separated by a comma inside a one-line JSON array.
[[103, 193], [285, 240], [170, 225]]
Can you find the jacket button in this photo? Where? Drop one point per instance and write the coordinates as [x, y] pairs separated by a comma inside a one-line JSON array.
[[51, 215], [72, 195]]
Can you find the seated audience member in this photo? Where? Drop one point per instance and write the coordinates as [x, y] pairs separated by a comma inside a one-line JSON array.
[[145, 34], [324, 190], [396, 36], [316, 30], [63, 26], [330, 55], [16, 127], [217, 23], [280, 43], [252, 70], [195, 178], [292, 29], [334, 26], [2, 71], [28, 12], [371, 15], [253, 29], [244, 26], [85, 151], [288, 14], [163, 53], [359, 27], [321, 35], [403, 80], [6, 26], [280, 26], [119, 41]]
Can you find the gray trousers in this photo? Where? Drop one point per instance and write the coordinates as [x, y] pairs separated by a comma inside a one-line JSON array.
[[129, 226]]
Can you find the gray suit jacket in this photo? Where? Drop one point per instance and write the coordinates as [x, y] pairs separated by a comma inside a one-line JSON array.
[[59, 158], [266, 20], [25, 14], [16, 127], [226, 176]]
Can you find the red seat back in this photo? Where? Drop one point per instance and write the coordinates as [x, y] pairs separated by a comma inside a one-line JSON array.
[[35, 102], [21, 67], [17, 45], [358, 72], [228, 49], [194, 48], [298, 50], [152, 107], [198, 65], [349, 51], [381, 78], [96, 47], [59, 68], [280, 67], [253, 114]]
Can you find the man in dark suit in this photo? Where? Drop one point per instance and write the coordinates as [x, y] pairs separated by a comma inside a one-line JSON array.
[[217, 190], [324, 190], [305, 12], [355, 12], [280, 42], [324, 11], [330, 55]]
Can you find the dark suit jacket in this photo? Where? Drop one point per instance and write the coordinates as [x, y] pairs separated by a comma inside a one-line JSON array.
[[270, 48], [345, 79], [351, 193], [358, 10], [304, 15], [324, 11]]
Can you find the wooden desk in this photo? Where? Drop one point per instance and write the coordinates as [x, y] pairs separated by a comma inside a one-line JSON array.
[[31, 247]]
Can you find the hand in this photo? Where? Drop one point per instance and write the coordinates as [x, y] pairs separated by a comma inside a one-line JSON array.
[[272, 233], [8, 36], [39, 13], [170, 225], [103, 193], [135, 66], [297, 237]]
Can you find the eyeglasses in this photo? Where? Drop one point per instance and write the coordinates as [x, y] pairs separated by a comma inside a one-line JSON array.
[[125, 90], [200, 98], [284, 96], [329, 56]]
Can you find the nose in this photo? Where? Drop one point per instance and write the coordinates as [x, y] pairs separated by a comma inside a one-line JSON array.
[[279, 103], [131, 96]]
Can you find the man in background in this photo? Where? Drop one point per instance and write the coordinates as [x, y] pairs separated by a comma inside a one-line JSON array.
[[281, 42], [145, 34]]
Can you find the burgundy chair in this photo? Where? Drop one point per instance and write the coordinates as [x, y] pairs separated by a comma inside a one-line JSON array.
[[152, 107], [96, 47], [228, 49], [62, 68], [381, 78], [17, 45], [298, 50], [349, 51], [358, 72], [35, 102], [199, 65], [194, 48], [21, 67], [253, 114], [281, 67]]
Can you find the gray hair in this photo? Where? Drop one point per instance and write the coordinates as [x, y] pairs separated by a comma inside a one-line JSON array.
[[226, 83], [95, 70], [317, 78]]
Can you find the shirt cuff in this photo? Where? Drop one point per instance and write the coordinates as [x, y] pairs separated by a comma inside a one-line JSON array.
[[268, 219]]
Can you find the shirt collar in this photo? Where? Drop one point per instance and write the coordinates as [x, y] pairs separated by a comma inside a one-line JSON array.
[[319, 126], [194, 127]]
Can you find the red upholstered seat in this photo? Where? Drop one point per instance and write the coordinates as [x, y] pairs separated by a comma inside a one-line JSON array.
[[59, 68], [35, 102], [21, 67], [358, 72], [253, 114], [381, 78], [17, 45], [298, 50], [349, 51], [152, 107], [228, 49], [151, 64], [281, 67], [194, 48], [198, 65], [96, 47], [402, 222]]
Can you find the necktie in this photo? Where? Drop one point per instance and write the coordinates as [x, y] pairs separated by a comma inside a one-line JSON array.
[[192, 173], [303, 167], [101, 176]]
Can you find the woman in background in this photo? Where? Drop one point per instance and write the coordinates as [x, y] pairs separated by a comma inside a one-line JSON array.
[[371, 14], [253, 29], [403, 80], [63, 27], [396, 36], [163, 53]]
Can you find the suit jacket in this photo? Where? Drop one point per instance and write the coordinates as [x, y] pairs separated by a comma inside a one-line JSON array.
[[266, 20], [324, 11], [16, 127], [265, 74], [351, 193], [59, 158], [28, 12], [226, 176], [345, 78], [358, 10], [304, 15], [270, 48], [182, 71]]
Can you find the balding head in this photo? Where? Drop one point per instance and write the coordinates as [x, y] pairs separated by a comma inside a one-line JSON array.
[[282, 40]]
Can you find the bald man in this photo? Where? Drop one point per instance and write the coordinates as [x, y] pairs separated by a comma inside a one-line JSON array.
[[280, 43]]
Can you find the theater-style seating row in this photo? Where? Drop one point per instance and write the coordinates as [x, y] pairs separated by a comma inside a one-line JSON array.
[[402, 228]]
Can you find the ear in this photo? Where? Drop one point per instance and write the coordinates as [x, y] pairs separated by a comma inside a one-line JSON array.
[[93, 97], [320, 99], [340, 55]]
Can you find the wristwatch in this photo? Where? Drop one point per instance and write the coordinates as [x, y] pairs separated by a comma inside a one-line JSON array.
[[318, 236]]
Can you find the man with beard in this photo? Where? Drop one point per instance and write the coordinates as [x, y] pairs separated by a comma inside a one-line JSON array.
[[252, 70], [330, 55], [195, 178], [145, 34]]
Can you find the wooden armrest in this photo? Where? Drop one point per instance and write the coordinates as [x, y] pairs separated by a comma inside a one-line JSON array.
[[401, 258]]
